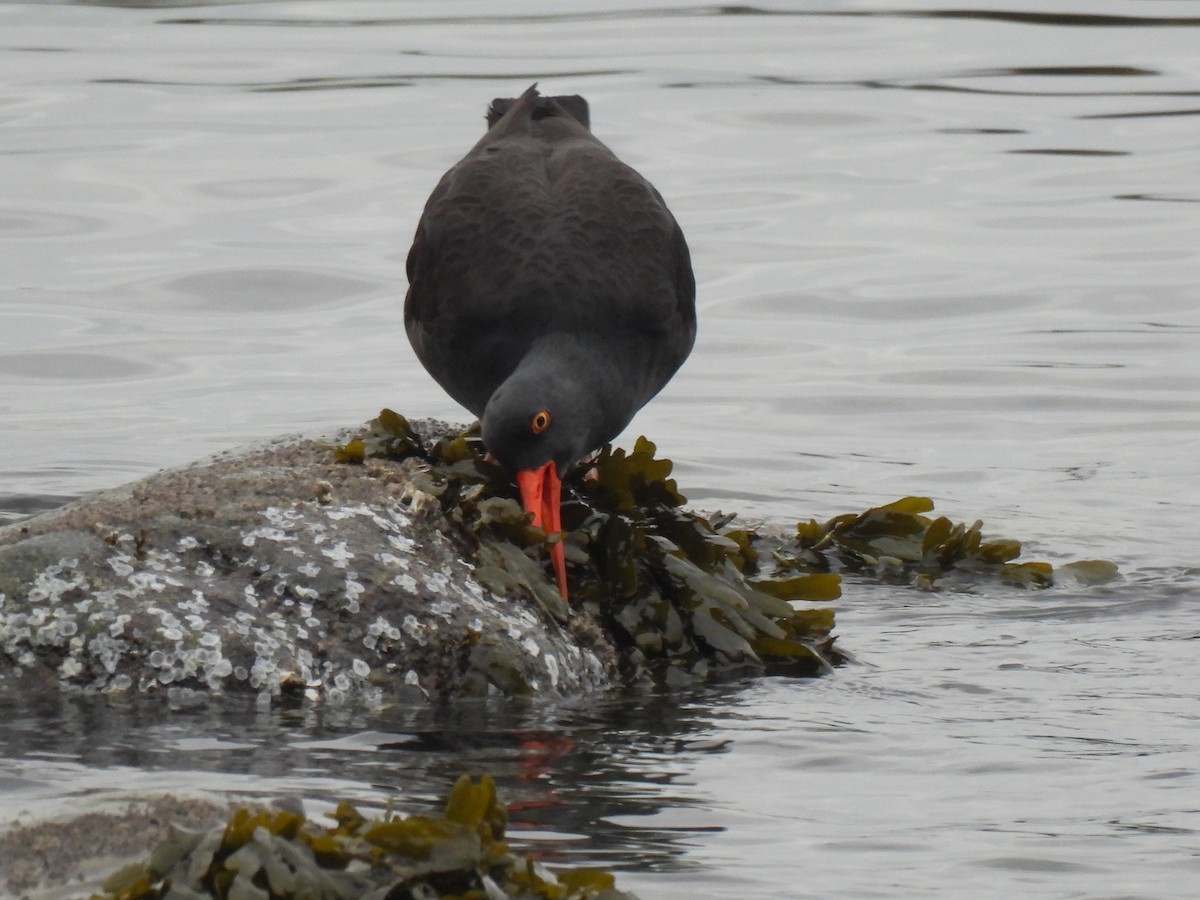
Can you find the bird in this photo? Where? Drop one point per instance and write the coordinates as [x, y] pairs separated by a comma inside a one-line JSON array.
[[551, 293]]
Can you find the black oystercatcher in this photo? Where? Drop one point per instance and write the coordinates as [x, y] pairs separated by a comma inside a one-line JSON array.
[[551, 293]]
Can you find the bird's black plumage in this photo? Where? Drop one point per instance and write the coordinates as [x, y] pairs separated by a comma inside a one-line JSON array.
[[546, 274]]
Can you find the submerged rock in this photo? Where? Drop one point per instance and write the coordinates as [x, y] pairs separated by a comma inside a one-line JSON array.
[[190, 849], [56, 859], [280, 570]]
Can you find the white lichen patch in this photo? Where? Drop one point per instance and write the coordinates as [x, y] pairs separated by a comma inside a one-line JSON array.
[[444, 610], [283, 516], [520, 623], [161, 561], [120, 564], [531, 647], [339, 553], [415, 628], [437, 583], [403, 543], [381, 635], [278, 535], [54, 582], [392, 561], [196, 603], [550, 661]]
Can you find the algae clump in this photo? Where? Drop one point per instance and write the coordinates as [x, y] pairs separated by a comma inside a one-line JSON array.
[[678, 590], [281, 855], [898, 543], [688, 595]]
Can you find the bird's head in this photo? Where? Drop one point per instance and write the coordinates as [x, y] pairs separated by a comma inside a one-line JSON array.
[[533, 421], [539, 428]]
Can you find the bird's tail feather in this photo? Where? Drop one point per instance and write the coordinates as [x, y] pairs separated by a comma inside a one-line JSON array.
[[540, 107]]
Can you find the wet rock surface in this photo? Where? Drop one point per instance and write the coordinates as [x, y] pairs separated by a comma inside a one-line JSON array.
[[276, 570], [57, 859], [178, 848], [393, 562]]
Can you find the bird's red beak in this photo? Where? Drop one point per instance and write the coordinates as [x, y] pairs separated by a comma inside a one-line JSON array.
[[541, 494]]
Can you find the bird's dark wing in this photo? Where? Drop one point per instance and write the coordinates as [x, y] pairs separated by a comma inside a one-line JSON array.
[[540, 229]]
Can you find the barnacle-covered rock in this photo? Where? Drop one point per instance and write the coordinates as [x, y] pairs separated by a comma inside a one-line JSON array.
[[398, 564], [281, 571], [65, 858], [672, 588]]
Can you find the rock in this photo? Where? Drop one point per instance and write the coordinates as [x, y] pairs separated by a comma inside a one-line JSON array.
[[71, 857], [278, 570]]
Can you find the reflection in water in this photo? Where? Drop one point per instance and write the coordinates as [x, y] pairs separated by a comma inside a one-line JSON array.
[[566, 771]]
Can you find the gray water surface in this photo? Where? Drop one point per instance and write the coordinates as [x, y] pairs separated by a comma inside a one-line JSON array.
[[942, 249]]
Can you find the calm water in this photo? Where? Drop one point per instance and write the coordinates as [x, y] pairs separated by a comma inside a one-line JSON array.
[[944, 249]]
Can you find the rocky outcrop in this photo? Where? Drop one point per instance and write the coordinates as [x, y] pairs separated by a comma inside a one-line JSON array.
[[277, 570]]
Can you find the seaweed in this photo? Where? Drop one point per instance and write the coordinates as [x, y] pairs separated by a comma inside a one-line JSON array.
[[389, 436], [688, 595], [899, 544], [676, 588], [278, 854]]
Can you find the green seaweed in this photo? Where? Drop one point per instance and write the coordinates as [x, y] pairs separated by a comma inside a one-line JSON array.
[[281, 855], [899, 544], [389, 436], [675, 587], [686, 595]]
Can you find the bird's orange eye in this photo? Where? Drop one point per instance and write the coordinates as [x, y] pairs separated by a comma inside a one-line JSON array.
[[539, 421]]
